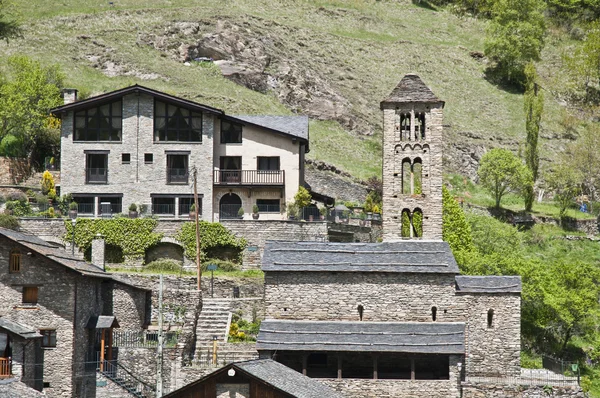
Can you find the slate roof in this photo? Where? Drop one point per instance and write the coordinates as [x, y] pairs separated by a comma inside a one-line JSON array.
[[102, 322], [412, 89], [295, 126], [272, 373], [407, 337], [488, 284], [13, 388], [136, 88], [409, 256], [19, 329]]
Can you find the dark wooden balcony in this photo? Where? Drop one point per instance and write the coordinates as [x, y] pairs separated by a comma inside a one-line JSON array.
[[5, 370], [249, 177]]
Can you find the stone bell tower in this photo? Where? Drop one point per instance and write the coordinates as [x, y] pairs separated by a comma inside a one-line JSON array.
[[412, 161]]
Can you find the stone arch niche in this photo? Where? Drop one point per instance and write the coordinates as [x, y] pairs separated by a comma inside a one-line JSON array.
[[417, 223], [406, 176], [164, 250], [229, 205]]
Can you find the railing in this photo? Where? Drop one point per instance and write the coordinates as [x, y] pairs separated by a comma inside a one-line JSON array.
[[85, 208], [5, 367], [228, 212], [126, 378], [96, 175], [184, 208], [142, 339], [249, 177], [167, 209], [269, 208], [177, 176], [559, 366], [206, 360], [528, 377], [115, 208]]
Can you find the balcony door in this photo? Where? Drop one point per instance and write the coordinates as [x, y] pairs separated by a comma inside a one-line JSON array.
[[177, 169], [96, 167], [231, 168], [229, 205]]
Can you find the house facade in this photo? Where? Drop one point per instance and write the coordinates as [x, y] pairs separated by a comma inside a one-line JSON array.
[[69, 304], [141, 146], [394, 318]]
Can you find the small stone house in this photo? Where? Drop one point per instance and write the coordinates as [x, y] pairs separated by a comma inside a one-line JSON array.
[[47, 293], [21, 353], [142, 146], [394, 318]]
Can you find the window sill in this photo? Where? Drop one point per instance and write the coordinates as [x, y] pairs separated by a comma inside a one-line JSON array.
[[177, 142], [231, 143], [177, 183], [94, 142], [48, 348], [27, 307], [97, 182]]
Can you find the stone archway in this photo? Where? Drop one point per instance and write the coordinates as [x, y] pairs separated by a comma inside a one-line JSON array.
[[229, 205]]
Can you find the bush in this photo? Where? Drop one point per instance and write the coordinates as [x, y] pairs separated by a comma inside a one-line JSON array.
[[302, 197], [11, 147], [47, 183], [222, 265], [215, 239], [8, 221], [18, 208], [164, 265], [16, 196], [133, 207], [73, 206], [255, 209], [241, 212]]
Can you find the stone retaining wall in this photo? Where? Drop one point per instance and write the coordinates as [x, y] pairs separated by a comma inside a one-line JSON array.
[[13, 171], [497, 390]]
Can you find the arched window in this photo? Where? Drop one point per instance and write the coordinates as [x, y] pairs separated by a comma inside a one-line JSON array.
[[417, 176], [406, 176], [405, 126], [406, 227], [15, 261], [417, 223], [360, 309], [490, 319], [434, 313], [420, 126]]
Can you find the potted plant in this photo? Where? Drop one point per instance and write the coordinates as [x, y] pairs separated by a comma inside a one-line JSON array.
[[241, 213], [292, 210], [133, 210], [193, 212], [255, 213], [73, 210], [323, 212]]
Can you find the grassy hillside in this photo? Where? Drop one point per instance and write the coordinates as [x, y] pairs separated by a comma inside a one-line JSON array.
[[352, 51]]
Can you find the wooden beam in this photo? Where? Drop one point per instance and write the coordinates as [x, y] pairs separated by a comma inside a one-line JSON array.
[[110, 344], [102, 351]]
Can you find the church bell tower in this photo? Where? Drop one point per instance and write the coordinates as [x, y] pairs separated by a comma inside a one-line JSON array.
[[412, 162]]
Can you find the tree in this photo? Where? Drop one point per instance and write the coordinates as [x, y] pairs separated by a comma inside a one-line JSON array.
[[500, 172], [515, 37], [565, 181], [26, 96], [584, 63], [534, 107], [302, 197], [455, 228], [585, 156], [9, 27], [47, 182]]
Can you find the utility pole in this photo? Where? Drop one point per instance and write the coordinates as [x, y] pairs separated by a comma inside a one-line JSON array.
[[198, 264], [159, 348]]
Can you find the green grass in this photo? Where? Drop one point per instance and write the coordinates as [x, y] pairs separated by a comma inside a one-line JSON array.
[[225, 274]]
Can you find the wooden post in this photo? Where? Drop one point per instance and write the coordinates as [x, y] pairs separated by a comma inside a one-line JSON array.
[[102, 351], [304, 363], [412, 369], [375, 358], [110, 344], [339, 361], [198, 264]]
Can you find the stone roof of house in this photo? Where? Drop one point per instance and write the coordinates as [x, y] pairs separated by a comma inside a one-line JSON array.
[[272, 373], [296, 126], [13, 388], [19, 329], [102, 322], [60, 256], [412, 89], [408, 337], [409, 256], [135, 89], [488, 284]]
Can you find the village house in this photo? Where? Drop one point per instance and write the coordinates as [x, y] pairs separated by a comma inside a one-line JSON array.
[[57, 313], [140, 146], [392, 318]]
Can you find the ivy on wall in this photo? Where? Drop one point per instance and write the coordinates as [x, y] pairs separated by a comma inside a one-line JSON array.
[[214, 237], [133, 236]]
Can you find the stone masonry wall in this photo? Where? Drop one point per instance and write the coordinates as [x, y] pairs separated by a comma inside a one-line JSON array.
[[13, 171], [129, 306], [429, 151], [498, 390]]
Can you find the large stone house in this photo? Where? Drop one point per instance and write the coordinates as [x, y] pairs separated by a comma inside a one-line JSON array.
[[392, 318], [142, 146], [53, 312]]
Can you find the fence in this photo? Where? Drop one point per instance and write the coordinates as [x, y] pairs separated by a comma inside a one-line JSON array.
[[529, 377], [143, 339], [206, 360]]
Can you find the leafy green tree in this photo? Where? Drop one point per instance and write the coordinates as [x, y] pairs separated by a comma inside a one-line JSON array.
[[27, 94], [515, 37], [500, 172], [455, 228], [534, 107], [565, 180], [9, 26], [583, 64], [584, 154], [302, 197], [215, 238]]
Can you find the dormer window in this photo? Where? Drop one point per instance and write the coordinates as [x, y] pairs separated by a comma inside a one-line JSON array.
[[176, 124], [102, 123], [15, 261]]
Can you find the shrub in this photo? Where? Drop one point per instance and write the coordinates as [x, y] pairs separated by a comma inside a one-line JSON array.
[[241, 212], [193, 208], [16, 196], [222, 265], [73, 206], [8, 221], [2, 199], [255, 209], [164, 265], [302, 197], [47, 183], [133, 207], [214, 239], [18, 208]]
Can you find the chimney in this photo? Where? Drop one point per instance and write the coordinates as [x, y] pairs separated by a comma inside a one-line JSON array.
[[98, 251], [69, 95]]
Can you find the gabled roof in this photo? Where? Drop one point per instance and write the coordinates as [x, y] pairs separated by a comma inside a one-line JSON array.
[[412, 89], [407, 337], [278, 376], [19, 329], [60, 256], [409, 256], [13, 388], [488, 284], [135, 89], [295, 126], [102, 322]]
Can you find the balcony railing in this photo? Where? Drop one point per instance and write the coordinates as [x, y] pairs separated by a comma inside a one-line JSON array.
[[164, 209], [249, 177], [5, 367], [96, 175], [85, 208], [177, 176]]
